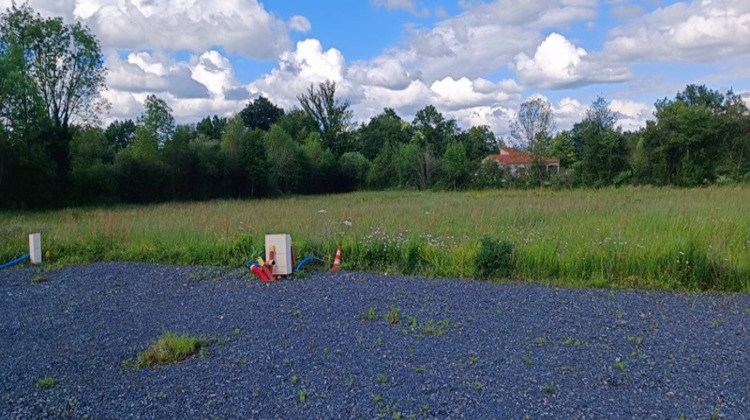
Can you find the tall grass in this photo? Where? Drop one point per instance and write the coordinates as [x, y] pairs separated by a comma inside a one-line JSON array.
[[662, 238]]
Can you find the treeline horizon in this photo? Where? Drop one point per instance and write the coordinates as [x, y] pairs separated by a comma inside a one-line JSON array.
[[51, 75]]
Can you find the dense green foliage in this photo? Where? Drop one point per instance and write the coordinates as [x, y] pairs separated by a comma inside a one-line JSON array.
[[495, 259], [53, 155]]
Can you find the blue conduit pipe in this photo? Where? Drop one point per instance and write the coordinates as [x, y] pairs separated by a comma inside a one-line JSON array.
[[307, 260], [14, 262]]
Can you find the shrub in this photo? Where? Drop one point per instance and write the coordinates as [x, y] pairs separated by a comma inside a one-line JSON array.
[[495, 259]]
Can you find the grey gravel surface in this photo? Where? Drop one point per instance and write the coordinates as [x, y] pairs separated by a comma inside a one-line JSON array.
[[300, 348]]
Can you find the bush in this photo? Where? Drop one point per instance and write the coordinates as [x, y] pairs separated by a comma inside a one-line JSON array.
[[495, 259]]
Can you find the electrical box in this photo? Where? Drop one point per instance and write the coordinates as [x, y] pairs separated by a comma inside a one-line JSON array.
[[35, 248], [283, 257]]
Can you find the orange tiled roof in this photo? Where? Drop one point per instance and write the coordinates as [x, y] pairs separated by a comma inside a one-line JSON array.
[[510, 156]]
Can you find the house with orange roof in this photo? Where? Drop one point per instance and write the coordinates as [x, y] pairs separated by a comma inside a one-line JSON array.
[[518, 162]]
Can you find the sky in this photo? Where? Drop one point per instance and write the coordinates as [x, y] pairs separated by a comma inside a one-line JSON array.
[[475, 61]]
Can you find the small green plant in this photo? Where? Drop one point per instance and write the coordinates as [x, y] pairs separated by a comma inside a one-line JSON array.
[[371, 314], [39, 279], [495, 259], [393, 315], [382, 379], [412, 321], [237, 331], [46, 382], [473, 360], [528, 360], [540, 340], [169, 348], [620, 364], [302, 395], [295, 379], [424, 410], [549, 389], [419, 369]]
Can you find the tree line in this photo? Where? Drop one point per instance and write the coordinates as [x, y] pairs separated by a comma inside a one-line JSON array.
[[53, 151]]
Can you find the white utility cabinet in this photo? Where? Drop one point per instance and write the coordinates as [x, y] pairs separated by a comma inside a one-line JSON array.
[[35, 248], [283, 257]]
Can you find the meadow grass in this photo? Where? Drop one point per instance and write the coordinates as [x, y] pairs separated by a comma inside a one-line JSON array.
[[658, 238]]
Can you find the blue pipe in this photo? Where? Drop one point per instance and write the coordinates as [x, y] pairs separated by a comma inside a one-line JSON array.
[[14, 262], [306, 260]]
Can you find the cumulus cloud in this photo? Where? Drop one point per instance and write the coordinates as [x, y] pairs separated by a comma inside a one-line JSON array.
[[381, 71], [557, 63], [308, 64], [631, 115], [461, 93], [202, 85], [701, 30], [241, 26]]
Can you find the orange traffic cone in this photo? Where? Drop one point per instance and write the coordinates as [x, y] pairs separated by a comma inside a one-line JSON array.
[[337, 260]]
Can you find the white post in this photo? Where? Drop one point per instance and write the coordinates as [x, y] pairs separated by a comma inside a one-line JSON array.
[[35, 248]]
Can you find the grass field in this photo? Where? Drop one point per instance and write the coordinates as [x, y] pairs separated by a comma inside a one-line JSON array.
[[658, 238]]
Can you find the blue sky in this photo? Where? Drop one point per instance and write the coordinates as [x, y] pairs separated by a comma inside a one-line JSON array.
[[475, 61]]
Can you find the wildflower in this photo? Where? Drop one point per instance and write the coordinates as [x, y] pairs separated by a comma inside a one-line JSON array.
[[348, 223]]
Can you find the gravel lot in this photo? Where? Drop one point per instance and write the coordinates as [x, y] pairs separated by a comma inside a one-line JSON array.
[[301, 349]]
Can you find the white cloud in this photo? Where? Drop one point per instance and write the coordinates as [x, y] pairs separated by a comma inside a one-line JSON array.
[[215, 72], [461, 93], [382, 71], [308, 64], [405, 5], [557, 63], [300, 24], [631, 115], [242, 26], [696, 31], [497, 117], [554, 63]]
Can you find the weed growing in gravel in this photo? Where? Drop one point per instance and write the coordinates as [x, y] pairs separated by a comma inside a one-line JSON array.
[[46, 382], [302, 395], [39, 279], [371, 314], [620, 364], [549, 389], [528, 360], [393, 315], [169, 348], [382, 379]]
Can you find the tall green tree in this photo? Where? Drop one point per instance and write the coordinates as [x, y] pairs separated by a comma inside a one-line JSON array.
[[455, 165], [64, 61], [682, 143], [284, 161], [479, 142], [434, 130], [534, 126], [332, 115], [212, 127], [386, 127], [261, 114], [120, 134], [157, 120], [603, 153]]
